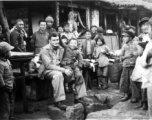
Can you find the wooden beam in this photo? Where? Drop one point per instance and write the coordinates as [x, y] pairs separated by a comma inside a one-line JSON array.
[[4, 22], [57, 13]]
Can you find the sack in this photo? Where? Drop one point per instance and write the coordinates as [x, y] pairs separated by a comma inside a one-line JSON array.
[[114, 72]]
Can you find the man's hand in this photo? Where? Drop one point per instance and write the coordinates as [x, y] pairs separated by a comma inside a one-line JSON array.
[[76, 63], [68, 72]]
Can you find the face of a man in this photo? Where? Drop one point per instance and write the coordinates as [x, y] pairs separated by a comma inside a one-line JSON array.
[[54, 41], [60, 30], [66, 28], [20, 25], [43, 26], [49, 23], [73, 44]]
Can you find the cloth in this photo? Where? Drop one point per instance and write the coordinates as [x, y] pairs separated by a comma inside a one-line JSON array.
[[6, 74], [100, 55], [57, 83], [69, 35], [83, 48], [136, 90], [102, 71], [39, 40], [51, 59], [71, 56], [125, 79], [147, 74], [50, 30], [17, 40], [149, 94], [88, 47], [144, 94], [138, 71], [129, 48], [6, 103]]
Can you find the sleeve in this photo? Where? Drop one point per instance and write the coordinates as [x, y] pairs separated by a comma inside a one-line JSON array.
[[122, 51], [80, 59], [94, 53], [33, 40], [46, 60], [2, 83], [14, 40]]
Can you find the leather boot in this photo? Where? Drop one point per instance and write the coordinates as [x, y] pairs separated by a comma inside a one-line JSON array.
[[99, 82], [145, 106], [60, 105], [105, 83]]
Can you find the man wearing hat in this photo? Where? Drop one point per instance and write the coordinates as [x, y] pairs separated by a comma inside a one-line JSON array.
[[6, 82], [49, 23], [129, 53]]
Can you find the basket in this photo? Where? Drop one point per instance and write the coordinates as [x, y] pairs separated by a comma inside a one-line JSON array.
[[114, 72]]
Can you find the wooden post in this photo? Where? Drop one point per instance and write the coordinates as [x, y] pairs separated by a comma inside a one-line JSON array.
[[4, 22], [57, 13], [137, 26]]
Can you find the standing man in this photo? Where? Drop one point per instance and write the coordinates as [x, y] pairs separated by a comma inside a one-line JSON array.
[[50, 68], [49, 23], [40, 38], [16, 37]]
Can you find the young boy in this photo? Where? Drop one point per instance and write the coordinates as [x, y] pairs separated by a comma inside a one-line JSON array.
[[129, 53], [6, 82], [87, 46], [72, 59]]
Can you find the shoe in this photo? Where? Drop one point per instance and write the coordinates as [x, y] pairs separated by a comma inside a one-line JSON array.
[[145, 106], [140, 106], [85, 101], [105, 83], [133, 100], [99, 86], [125, 98], [104, 87], [60, 105]]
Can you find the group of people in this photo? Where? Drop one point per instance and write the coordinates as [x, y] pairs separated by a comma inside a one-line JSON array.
[[60, 58], [135, 81]]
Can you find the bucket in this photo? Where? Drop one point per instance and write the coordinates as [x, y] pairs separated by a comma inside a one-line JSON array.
[[114, 72]]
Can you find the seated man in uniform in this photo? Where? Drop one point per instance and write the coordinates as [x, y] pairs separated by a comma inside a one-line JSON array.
[[51, 56]]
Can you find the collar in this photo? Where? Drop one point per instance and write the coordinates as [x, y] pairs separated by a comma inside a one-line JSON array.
[[3, 59], [42, 32], [49, 47]]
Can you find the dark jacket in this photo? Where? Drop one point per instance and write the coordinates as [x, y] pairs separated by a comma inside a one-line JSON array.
[[83, 48], [50, 30], [39, 40], [6, 74], [71, 56], [16, 40]]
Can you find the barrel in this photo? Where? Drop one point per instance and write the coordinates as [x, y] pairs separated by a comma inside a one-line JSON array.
[[114, 72]]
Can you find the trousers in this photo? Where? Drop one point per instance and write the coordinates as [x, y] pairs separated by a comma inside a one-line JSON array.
[[149, 94], [6, 103], [58, 86]]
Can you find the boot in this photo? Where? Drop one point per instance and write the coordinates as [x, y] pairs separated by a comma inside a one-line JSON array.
[[99, 82], [141, 105], [145, 106], [60, 105], [105, 83]]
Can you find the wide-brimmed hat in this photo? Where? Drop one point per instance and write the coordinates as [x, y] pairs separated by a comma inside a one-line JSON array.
[[128, 33], [4, 47], [145, 19]]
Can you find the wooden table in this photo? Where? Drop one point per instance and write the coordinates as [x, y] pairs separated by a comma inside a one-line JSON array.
[[22, 58]]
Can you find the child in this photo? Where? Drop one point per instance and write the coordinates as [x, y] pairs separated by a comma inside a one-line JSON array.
[[7, 87], [72, 59], [87, 46], [100, 54]]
